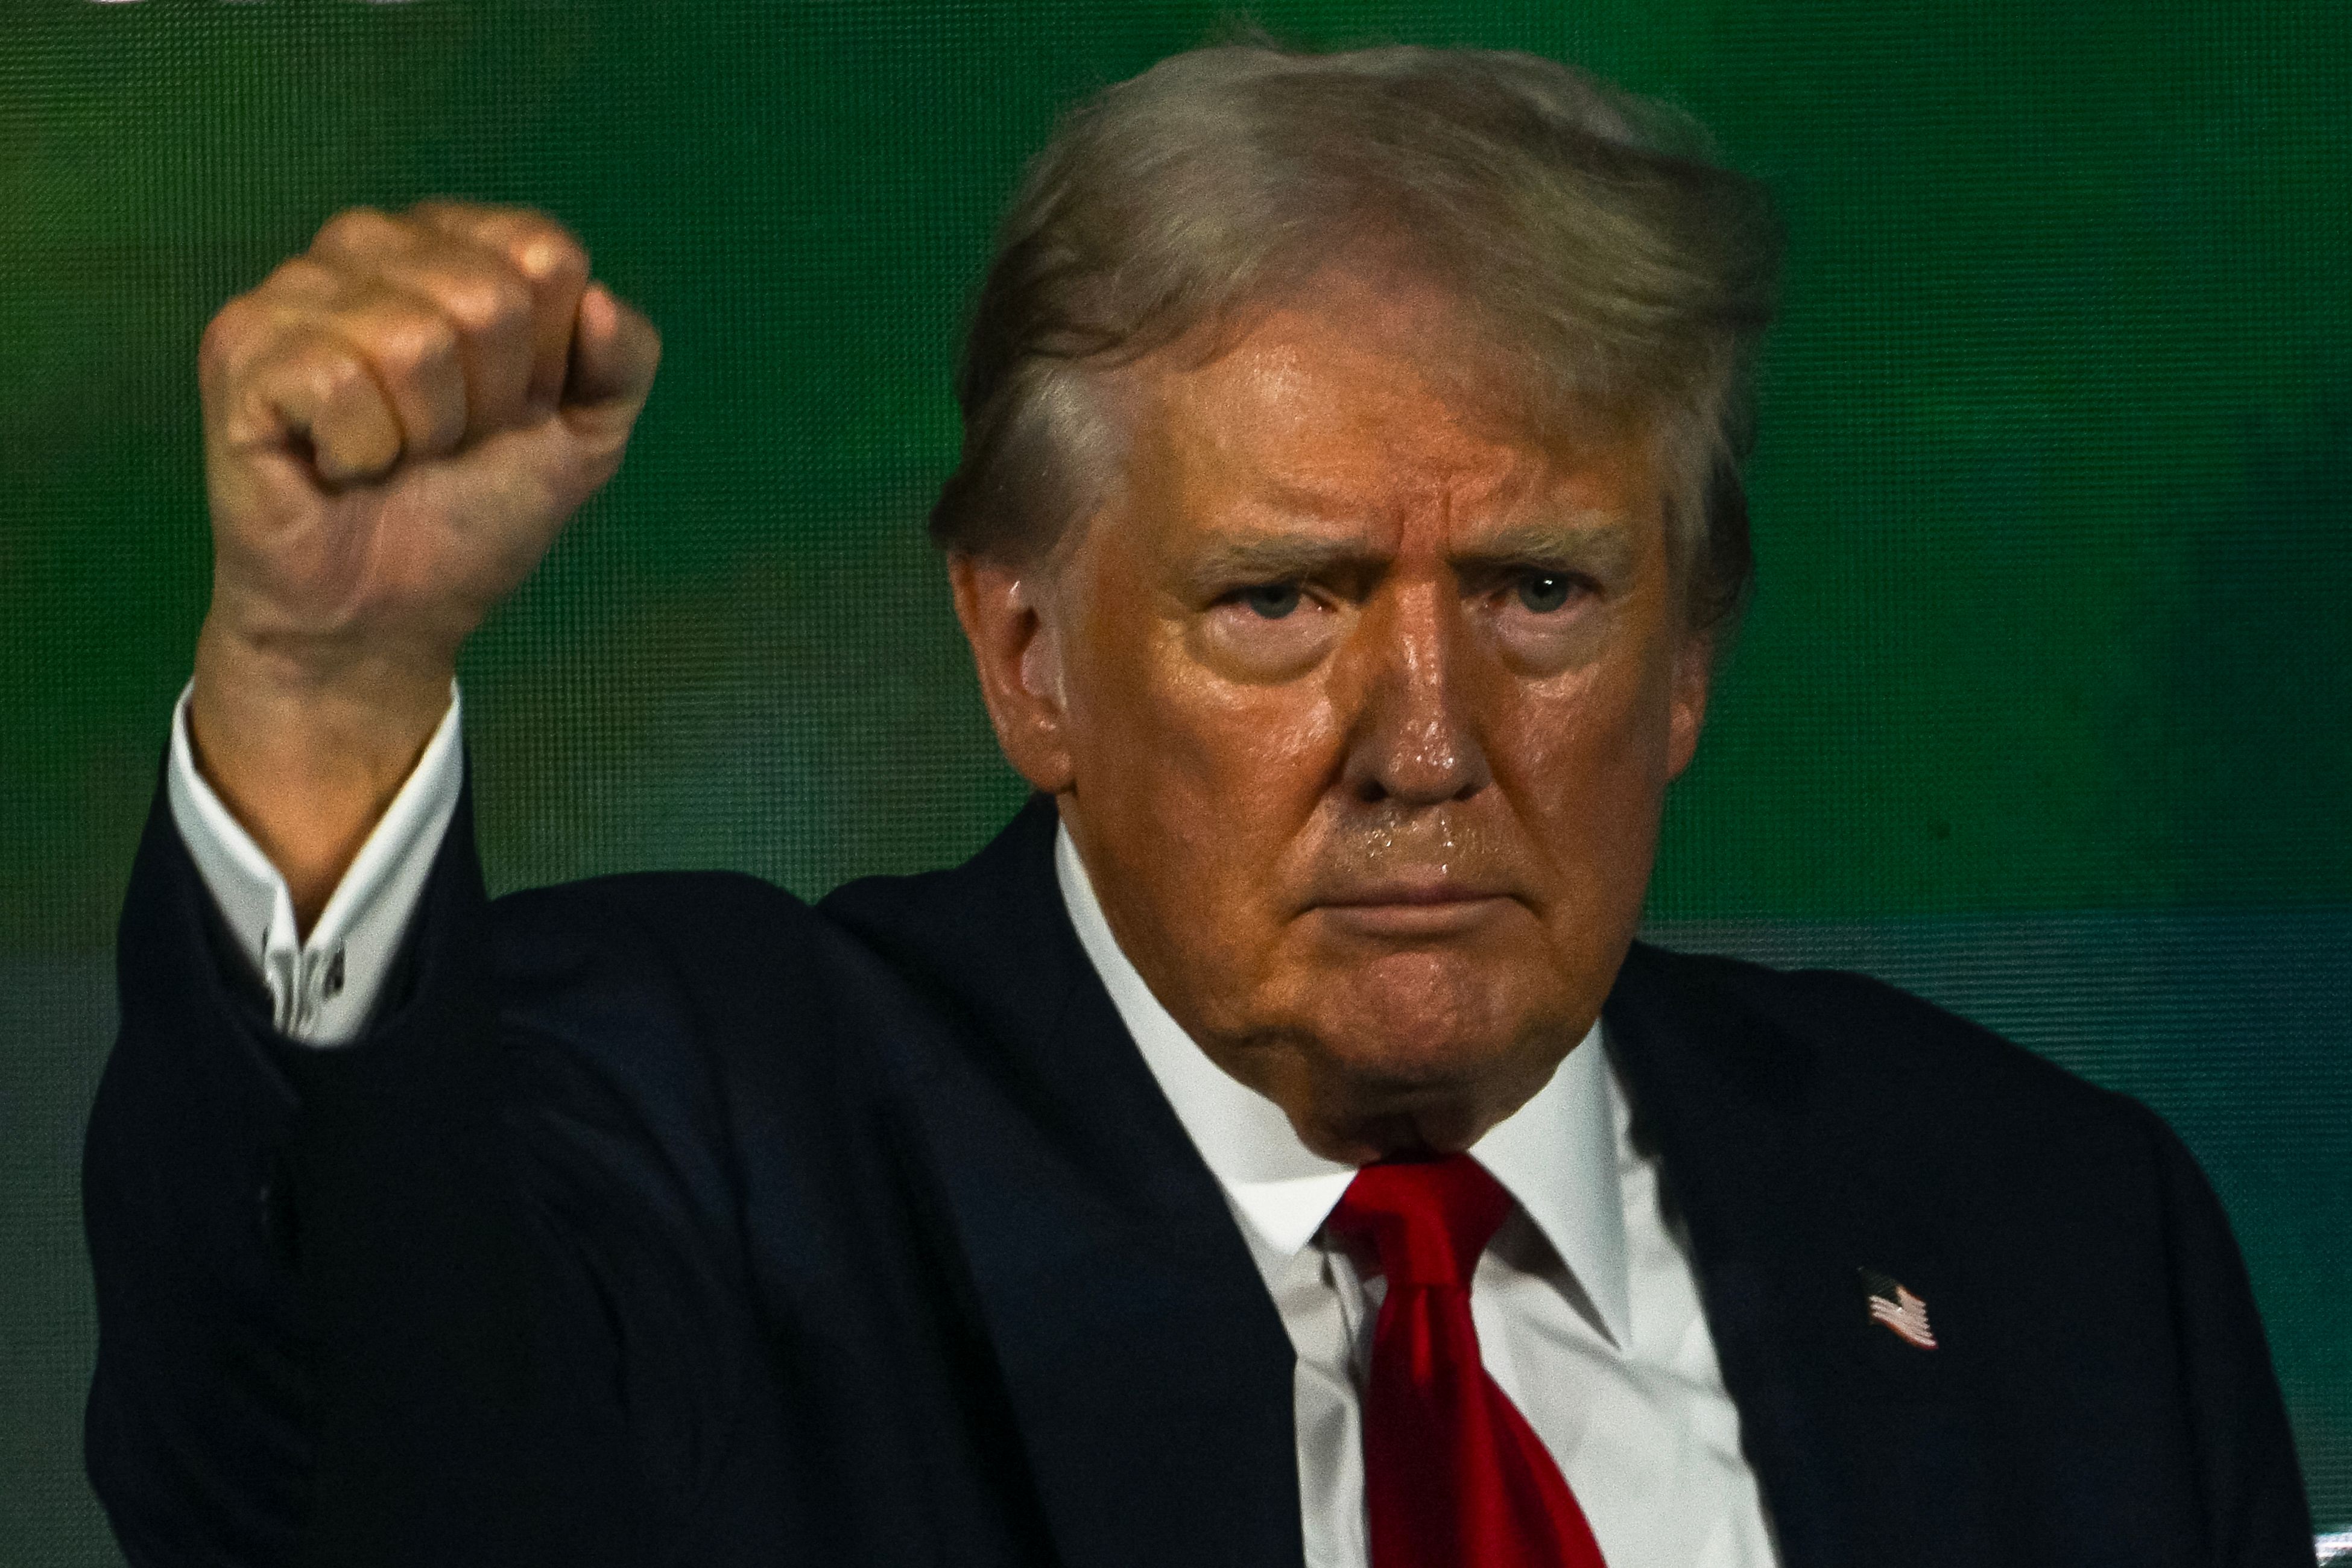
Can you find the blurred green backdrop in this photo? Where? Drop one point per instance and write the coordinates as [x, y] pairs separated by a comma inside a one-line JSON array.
[[2042, 709]]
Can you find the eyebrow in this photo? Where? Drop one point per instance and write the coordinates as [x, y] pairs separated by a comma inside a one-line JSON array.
[[1590, 540], [1273, 558]]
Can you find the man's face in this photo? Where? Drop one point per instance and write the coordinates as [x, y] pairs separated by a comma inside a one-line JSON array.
[[1364, 717]]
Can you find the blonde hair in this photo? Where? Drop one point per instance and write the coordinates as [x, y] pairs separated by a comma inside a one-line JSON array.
[[1609, 268]]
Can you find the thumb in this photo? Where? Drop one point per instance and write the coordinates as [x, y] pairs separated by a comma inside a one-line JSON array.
[[614, 351]]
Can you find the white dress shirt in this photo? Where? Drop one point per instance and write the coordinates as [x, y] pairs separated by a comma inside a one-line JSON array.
[[323, 985], [1587, 1311]]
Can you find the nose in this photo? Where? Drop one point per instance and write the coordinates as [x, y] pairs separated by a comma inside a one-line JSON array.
[[1413, 742]]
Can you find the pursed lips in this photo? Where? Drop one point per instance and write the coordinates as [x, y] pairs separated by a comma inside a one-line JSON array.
[[1437, 904]]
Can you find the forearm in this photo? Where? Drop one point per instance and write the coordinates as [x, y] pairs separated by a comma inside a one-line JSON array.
[[307, 757], [326, 1304]]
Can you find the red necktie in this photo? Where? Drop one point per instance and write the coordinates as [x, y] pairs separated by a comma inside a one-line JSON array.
[[1453, 1476]]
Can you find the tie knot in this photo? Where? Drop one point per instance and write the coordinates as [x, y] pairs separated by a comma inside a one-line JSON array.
[[1427, 1219]]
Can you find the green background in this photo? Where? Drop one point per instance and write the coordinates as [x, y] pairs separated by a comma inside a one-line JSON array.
[[2042, 709]]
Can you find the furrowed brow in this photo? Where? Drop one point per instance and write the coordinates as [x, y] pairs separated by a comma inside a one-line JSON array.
[[1273, 558], [1593, 542]]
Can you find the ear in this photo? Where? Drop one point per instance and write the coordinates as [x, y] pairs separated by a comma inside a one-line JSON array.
[[1694, 678], [1018, 657]]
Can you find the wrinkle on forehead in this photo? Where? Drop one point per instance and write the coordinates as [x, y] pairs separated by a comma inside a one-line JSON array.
[[1366, 404]]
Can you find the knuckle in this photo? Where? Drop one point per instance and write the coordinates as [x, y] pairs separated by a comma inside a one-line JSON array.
[[533, 242], [488, 301], [411, 343], [299, 277], [357, 228], [532, 223], [547, 251]]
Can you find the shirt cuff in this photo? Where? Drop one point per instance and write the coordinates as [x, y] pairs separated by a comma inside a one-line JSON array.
[[322, 989]]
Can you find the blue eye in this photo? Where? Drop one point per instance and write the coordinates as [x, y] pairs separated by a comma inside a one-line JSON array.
[[1544, 591], [1270, 600]]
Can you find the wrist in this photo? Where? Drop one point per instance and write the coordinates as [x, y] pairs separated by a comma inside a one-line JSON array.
[[308, 758]]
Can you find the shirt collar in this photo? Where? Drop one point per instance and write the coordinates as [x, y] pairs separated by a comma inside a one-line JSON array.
[[1556, 1154]]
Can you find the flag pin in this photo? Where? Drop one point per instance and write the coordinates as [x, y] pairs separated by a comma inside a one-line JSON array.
[[1901, 1312]]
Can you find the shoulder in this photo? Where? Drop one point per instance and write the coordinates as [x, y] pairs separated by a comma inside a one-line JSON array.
[[714, 959], [675, 1042], [645, 915], [2093, 1312], [1854, 1027], [707, 972], [1889, 1072]]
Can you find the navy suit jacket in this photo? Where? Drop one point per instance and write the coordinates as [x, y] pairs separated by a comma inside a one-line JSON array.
[[669, 1219]]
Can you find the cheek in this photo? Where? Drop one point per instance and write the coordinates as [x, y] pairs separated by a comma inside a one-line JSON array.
[[1587, 757], [1171, 740], [1195, 796]]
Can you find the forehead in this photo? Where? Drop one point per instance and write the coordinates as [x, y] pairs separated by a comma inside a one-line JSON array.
[[1364, 405]]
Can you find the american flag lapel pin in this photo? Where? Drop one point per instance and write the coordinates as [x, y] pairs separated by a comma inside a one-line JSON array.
[[1901, 1312]]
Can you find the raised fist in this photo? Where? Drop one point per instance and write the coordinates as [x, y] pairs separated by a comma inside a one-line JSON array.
[[397, 423], [399, 420]]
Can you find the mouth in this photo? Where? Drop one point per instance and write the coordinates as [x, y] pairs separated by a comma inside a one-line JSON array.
[[1413, 907]]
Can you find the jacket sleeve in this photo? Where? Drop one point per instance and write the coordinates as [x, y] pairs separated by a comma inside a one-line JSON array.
[[334, 1325], [2255, 1511]]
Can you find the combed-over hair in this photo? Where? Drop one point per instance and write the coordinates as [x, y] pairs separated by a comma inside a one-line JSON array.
[[1608, 269]]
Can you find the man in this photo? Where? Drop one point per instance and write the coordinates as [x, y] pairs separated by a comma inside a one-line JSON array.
[[1273, 1147]]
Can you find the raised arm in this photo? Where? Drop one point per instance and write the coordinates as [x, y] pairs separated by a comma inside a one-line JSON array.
[[397, 423], [337, 1323]]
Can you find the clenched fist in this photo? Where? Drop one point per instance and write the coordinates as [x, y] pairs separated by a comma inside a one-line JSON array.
[[397, 423]]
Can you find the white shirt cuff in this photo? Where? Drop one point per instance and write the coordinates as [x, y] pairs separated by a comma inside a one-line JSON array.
[[323, 989]]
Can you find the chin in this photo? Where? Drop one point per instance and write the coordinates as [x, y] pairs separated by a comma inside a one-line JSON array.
[[1422, 1019]]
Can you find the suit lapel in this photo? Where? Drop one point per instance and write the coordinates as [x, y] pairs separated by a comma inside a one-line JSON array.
[[1860, 1442], [1148, 1371]]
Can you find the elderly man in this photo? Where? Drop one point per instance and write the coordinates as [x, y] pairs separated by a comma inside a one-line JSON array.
[[1274, 1146]]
